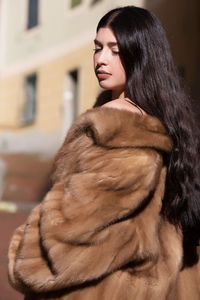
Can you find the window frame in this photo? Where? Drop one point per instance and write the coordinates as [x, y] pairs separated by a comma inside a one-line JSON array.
[[71, 95], [26, 121]]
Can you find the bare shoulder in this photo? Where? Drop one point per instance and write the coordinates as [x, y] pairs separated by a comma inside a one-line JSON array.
[[124, 104]]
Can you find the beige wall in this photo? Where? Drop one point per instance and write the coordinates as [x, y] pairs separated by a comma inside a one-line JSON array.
[[45, 135], [10, 101], [50, 88]]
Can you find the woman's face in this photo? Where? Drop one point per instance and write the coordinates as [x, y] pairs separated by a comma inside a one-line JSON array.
[[107, 63]]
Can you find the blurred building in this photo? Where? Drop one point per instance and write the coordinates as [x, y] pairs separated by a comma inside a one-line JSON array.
[[46, 72]]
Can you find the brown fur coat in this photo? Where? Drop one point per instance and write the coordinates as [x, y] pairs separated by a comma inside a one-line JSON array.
[[98, 234]]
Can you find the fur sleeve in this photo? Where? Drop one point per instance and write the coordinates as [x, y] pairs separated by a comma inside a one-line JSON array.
[[91, 227]]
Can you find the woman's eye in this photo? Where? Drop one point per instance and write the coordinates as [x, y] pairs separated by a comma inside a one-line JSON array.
[[115, 52], [96, 50]]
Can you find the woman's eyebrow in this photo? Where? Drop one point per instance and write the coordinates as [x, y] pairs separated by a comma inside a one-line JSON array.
[[110, 44], [97, 43]]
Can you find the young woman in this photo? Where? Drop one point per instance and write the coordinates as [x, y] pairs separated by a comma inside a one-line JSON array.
[[143, 72], [122, 220]]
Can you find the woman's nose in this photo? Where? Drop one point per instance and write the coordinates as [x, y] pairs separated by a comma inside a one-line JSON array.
[[101, 58]]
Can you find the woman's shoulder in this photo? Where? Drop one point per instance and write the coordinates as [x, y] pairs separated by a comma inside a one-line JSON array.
[[125, 104], [105, 99]]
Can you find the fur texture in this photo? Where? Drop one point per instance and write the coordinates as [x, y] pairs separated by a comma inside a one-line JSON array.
[[98, 233]]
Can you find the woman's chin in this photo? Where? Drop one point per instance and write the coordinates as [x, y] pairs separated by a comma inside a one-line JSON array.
[[105, 85]]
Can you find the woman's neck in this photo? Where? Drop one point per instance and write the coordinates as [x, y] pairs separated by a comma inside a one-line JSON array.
[[118, 95]]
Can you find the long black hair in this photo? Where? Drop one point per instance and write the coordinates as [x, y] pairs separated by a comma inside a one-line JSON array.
[[153, 84]]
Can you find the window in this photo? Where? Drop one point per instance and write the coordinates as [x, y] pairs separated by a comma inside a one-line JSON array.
[[75, 3], [93, 2], [29, 110], [70, 99], [32, 13]]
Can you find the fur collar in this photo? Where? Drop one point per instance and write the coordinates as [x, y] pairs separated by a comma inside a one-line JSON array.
[[109, 128], [120, 128]]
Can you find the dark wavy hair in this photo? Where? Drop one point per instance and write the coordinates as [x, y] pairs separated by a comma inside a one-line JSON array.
[[153, 84]]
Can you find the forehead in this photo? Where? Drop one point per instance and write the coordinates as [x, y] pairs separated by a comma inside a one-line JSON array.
[[105, 34]]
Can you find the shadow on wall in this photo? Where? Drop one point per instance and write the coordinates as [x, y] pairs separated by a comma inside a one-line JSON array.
[[181, 20]]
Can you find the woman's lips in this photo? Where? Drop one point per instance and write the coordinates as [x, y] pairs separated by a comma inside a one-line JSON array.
[[103, 75]]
